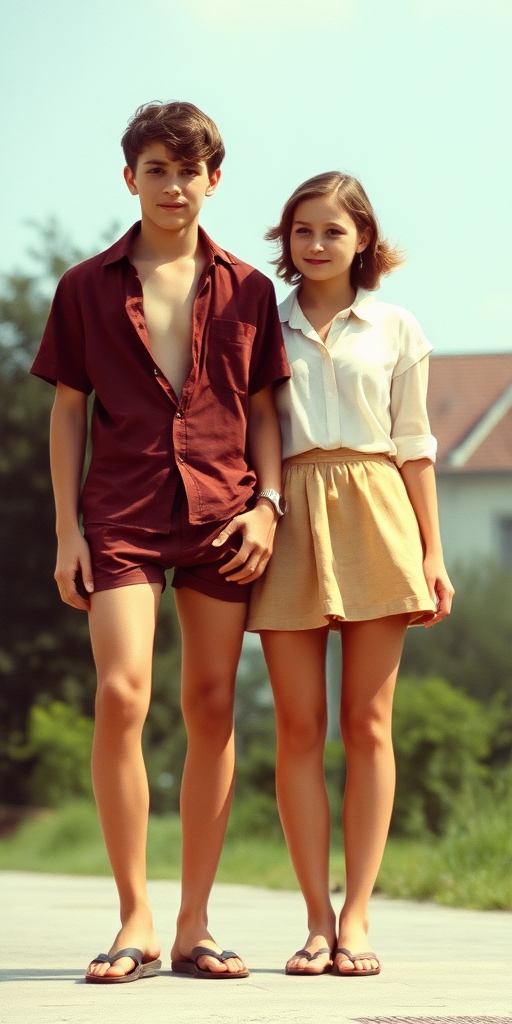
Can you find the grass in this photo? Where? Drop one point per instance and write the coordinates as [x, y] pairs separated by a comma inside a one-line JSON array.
[[470, 867]]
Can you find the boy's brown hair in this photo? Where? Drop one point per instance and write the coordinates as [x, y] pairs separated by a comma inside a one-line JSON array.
[[377, 259], [182, 128]]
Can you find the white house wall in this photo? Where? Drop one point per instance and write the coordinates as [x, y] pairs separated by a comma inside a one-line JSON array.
[[471, 509]]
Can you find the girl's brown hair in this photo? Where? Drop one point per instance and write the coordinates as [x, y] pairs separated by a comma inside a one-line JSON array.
[[378, 258]]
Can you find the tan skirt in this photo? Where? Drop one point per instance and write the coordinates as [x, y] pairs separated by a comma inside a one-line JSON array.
[[348, 548]]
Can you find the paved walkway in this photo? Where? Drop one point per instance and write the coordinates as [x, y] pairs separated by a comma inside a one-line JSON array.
[[438, 963]]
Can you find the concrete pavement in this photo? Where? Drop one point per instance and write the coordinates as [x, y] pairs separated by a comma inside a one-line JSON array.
[[437, 963]]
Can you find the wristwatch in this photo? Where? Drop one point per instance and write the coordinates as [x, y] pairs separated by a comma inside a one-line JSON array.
[[275, 499]]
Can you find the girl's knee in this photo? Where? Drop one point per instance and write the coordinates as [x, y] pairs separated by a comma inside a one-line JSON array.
[[301, 734], [365, 731]]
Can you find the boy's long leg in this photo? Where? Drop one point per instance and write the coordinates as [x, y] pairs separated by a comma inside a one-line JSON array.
[[122, 625], [212, 633]]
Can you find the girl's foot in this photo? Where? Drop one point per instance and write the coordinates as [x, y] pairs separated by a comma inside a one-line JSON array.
[[319, 948], [354, 938]]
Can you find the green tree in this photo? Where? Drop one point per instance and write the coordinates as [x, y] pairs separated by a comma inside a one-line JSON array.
[[44, 645], [44, 650], [472, 648]]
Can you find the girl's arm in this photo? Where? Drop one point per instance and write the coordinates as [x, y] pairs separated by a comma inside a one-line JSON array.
[[68, 433], [416, 449], [420, 483]]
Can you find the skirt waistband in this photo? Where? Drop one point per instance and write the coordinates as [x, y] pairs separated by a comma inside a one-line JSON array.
[[335, 455]]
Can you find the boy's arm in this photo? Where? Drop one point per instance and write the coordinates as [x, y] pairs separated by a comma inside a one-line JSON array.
[[257, 526], [68, 433], [420, 482]]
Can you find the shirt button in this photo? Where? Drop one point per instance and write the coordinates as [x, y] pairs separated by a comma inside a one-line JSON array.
[[155, 371], [180, 458], [179, 415]]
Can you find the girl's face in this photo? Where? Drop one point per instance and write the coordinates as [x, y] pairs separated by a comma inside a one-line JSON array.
[[324, 239]]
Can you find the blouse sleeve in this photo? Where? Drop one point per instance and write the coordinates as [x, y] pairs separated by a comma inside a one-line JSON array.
[[410, 427]]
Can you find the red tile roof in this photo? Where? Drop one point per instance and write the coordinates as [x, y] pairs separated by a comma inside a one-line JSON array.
[[462, 390]]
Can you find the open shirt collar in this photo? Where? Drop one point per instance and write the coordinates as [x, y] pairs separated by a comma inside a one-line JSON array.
[[122, 247]]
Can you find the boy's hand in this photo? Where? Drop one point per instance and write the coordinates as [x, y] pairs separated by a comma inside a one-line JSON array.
[[73, 555], [258, 528]]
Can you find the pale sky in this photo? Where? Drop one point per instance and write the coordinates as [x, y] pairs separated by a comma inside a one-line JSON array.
[[411, 96]]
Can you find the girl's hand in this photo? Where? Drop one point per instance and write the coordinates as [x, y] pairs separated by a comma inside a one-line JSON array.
[[440, 588]]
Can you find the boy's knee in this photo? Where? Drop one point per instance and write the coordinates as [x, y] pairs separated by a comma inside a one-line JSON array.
[[210, 704], [121, 698]]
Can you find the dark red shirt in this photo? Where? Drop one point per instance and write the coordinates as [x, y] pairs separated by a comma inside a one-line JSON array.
[[144, 438]]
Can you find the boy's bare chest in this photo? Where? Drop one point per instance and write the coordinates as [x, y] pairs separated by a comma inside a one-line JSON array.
[[168, 304]]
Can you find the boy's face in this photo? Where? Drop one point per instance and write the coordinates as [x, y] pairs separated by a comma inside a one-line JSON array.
[[171, 192]]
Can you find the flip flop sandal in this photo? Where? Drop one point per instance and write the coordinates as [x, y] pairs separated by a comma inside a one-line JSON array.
[[303, 971], [189, 965], [353, 957], [141, 969]]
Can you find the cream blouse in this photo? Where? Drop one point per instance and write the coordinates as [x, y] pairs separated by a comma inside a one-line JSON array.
[[364, 389]]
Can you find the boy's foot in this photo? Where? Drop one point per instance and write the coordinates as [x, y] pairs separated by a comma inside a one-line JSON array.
[[354, 939], [318, 959], [138, 931], [186, 943]]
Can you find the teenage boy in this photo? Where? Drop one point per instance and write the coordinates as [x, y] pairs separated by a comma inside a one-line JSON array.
[[182, 346]]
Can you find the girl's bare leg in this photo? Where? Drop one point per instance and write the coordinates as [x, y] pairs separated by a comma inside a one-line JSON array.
[[371, 657], [296, 664], [212, 633], [122, 625]]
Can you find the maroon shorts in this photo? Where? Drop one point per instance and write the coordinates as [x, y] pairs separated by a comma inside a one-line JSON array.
[[122, 556]]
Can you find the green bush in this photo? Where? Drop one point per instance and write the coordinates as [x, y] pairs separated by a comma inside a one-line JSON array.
[[256, 771], [255, 814], [445, 744], [441, 739], [470, 866], [471, 648], [59, 746], [500, 718]]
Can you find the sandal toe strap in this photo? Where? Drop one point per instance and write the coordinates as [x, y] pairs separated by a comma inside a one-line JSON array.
[[131, 951], [206, 951], [356, 956], [312, 956]]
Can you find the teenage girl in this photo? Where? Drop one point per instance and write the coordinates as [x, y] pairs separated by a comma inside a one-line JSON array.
[[358, 549]]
